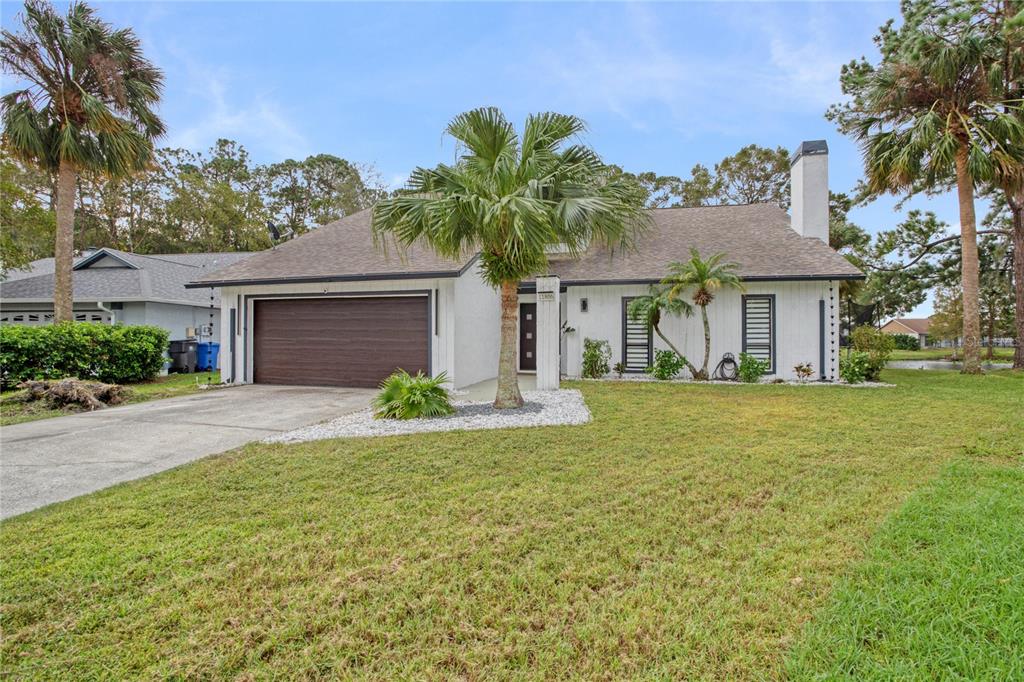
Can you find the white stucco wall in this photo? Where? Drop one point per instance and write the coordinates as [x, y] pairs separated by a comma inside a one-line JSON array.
[[477, 329], [176, 318], [796, 324]]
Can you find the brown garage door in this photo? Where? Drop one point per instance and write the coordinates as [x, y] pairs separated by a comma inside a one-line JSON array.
[[339, 341]]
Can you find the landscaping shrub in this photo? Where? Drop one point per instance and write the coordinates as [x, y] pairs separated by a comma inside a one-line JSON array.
[[906, 342], [596, 356], [804, 371], [667, 364], [877, 344], [855, 366], [113, 354], [751, 369], [403, 396]]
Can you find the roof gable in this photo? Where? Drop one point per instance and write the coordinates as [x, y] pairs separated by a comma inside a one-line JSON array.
[[105, 258]]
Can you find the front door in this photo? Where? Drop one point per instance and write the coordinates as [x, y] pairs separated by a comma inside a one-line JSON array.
[[528, 337]]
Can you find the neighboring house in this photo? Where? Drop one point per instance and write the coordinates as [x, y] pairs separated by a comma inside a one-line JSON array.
[[117, 286], [332, 307], [911, 326]]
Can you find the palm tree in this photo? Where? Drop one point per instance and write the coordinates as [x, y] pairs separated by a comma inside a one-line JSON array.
[[704, 277], [511, 198], [87, 103], [931, 114], [652, 307]]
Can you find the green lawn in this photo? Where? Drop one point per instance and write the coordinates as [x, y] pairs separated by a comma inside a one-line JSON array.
[[13, 411], [998, 354], [941, 593], [687, 532]]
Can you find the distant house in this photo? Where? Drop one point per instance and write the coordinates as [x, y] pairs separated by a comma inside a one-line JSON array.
[[117, 286], [332, 308], [912, 326]]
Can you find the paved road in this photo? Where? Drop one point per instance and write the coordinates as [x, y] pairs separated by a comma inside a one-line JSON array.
[[56, 459]]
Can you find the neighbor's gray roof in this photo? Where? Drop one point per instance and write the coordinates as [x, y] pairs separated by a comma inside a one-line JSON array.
[[157, 277], [342, 250], [757, 237]]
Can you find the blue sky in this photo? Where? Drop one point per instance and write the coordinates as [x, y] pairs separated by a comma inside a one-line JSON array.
[[661, 86]]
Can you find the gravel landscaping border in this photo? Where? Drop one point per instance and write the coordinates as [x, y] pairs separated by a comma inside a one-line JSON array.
[[541, 408], [763, 382]]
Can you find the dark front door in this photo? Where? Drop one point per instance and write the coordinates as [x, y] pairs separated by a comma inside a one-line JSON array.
[[347, 341], [528, 337]]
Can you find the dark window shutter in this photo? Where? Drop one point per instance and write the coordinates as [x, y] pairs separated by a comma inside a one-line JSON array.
[[636, 341], [759, 328]]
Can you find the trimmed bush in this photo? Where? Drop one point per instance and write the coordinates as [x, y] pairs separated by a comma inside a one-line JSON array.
[[596, 356], [403, 396], [112, 354], [877, 344], [906, 342], [667, 364], [751, 369], [855, 367]]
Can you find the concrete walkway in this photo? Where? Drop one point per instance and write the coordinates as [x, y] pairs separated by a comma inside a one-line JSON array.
[[56, 459]]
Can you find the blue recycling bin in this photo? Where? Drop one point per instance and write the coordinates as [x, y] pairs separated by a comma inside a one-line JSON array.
[[206, 355]]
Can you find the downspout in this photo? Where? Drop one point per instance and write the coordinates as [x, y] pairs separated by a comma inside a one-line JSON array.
[[113, 315]]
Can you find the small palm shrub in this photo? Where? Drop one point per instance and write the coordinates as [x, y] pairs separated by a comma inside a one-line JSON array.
[[667, 364], [403, 396], [877, 344], [906, 342], [596, 356], [751, 369], [855, 367], [804, 371]]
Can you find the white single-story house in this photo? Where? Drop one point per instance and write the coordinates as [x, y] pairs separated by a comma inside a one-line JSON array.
[[911, 326], [333, 308], [112, 286]]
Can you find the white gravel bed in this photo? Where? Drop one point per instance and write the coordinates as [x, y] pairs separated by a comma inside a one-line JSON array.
[[763, 382], [541, 408]]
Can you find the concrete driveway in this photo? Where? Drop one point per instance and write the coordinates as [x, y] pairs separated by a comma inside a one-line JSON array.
[[56, 459]]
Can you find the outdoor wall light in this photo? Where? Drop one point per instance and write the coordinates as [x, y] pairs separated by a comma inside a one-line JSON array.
[[583, 305]]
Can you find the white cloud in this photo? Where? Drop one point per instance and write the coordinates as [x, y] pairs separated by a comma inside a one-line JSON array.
[[631, 69], [254, 119]]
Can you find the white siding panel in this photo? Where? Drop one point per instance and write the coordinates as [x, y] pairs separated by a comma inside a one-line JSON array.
[[796, 324], [477, 329]]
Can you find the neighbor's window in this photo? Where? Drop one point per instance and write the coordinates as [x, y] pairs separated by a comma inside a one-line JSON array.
[[759, 327]]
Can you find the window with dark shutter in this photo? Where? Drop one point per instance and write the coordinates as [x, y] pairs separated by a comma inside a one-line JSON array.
[[759, 328], [636, 341]]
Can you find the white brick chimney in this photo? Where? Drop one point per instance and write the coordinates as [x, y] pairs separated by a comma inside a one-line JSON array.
[[808, 178]]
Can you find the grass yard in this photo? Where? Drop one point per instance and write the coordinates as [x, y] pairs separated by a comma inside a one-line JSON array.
[[13, 411], [998, 354], [941, 593], [688, 532]]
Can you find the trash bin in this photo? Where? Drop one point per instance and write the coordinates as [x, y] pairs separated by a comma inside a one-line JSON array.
[[206, 355], [183, 356]]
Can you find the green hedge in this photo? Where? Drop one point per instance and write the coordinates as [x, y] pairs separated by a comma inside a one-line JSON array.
[[906, 342], [115, 354]]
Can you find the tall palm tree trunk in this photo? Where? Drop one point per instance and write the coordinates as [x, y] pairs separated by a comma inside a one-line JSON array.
[[968, 262], [1016, 203], [64, 244], [707, 342], [689, 365], [508, 381]]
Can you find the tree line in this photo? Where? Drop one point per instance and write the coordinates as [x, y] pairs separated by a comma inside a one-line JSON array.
[[183, 201]]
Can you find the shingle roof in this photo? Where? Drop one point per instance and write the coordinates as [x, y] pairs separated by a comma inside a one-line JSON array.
[[919, 325], [343, 249], [157, 277], [757, 237]]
